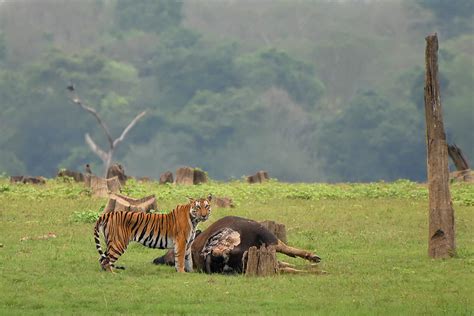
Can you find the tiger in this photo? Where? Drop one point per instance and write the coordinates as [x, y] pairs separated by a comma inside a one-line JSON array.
[[175, 230]]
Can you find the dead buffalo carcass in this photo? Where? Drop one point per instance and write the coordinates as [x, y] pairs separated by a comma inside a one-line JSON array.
[[220, 248]]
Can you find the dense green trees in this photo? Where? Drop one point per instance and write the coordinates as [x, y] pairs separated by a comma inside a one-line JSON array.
[[148, 15], [232, 90], [453, 17], [370, 129]]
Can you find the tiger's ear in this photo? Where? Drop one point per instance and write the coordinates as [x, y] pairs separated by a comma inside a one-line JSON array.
[[209, 198], [191, 200]]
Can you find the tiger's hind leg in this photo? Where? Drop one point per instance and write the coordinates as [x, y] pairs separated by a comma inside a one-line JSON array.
[[112, 254], [107, 264]]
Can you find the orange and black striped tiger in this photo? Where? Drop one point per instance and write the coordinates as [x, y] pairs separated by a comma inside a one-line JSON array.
[[175, 230]]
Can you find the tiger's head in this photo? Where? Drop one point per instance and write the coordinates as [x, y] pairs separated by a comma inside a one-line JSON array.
[[200, 208]]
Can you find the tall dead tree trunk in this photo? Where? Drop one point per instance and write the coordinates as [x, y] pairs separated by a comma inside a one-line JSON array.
[[441, 214], [104, 155]]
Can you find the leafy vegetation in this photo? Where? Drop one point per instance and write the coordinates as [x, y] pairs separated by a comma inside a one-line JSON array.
[[240, 191], [88, 216], [371, 237]]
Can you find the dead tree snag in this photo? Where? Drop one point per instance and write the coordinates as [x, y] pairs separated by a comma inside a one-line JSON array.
[[441, 242], [104, 155]]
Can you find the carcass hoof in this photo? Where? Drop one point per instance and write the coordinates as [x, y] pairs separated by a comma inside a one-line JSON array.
[[314, 258]]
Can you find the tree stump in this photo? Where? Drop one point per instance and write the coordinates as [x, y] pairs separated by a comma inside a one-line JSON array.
[[114, 185], [462, 176], [117, 170], [87, 180], [441, 242], [88, 169], [166, 177], [185, 175], [27, 179], [142, 179], [16, 179], [102, 187], [260, 262], [120, 202], [259, 177], [87, 176], [77, 176], [279, 230], [99, 186], [189, 176], [199, 176], [223, 202]]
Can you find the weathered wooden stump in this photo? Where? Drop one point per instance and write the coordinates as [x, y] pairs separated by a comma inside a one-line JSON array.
[[87, 180], [77, 176], [462, 176], [114, 185], [279, 230], [87, 175], [103, 187], [189, 176], [259, 177], [260, 261], [88, 169], [27, 179], [185, 175], [166, 177], [223, 202], [120, 202], [16, 179], [117, 170], [199, 176]]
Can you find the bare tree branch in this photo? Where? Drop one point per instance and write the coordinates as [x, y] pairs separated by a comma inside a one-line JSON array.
[[93, 146], [106, 157], [125, 131], [78, 101]]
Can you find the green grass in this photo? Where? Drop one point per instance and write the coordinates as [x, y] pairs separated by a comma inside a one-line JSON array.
[[372, 239]]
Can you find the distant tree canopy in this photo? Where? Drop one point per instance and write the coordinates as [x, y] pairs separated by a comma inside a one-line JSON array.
[[271, 67], [454, 17], [232, 87], [369, 129], [449, 10], [148, 15], [3, 47]]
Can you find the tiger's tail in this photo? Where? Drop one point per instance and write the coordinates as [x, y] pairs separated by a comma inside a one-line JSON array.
[[97, 227]]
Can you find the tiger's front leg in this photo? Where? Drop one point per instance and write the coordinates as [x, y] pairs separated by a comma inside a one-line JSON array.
[[188, 259], [179, 255]]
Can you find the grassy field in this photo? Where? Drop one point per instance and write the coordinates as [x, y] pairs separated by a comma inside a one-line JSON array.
[[372, 239]]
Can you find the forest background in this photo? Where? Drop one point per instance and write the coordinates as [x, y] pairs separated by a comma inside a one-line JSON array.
[[312, 91]]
